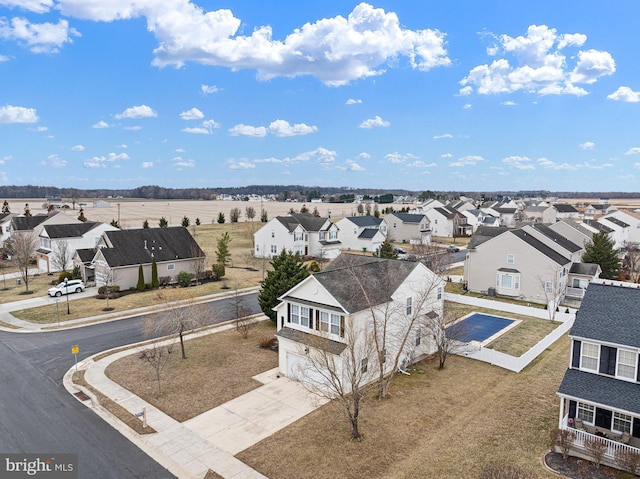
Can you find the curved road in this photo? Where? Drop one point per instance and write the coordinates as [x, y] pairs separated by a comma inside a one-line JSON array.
[[37, 414]]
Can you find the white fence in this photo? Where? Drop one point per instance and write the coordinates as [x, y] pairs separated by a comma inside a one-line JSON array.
[[507, 361]]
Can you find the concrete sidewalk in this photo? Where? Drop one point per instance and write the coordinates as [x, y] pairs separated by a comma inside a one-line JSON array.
[[208, 441]]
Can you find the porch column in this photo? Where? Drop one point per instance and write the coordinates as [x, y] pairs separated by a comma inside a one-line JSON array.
[[561, 412]]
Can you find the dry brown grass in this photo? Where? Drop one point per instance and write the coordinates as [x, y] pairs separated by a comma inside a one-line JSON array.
[[114, 408], [218, 368], [37, 284], [516, 341], [441, 424]]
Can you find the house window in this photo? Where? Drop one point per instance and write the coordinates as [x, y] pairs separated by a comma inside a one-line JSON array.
[[295, 314], [171, 267], [384, 355], [274, 249], [511, 259], [273, 234], [409, 306], [322, 235], [329, 323], [439, 292], [304, 316], [506, 281], [548, 286], [627, 364], [585, 412], [333, 235], [364, 364], [298, 237], [589, 356], [580, 283], [418, 337], [257, 248], [621, 422]]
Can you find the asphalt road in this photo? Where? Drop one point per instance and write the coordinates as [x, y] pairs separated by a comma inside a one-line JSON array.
[[38, 415]]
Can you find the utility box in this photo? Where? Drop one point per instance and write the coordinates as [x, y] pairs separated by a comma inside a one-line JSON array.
[[491, 292]]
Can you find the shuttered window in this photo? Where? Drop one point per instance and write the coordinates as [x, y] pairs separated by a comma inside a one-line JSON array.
[[627, 364], [589, 356]]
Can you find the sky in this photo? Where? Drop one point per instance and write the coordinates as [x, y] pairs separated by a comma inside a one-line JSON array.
[[416, 94]]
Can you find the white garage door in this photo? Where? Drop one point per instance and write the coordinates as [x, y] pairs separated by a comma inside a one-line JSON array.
[[42, 265], [300, 369]]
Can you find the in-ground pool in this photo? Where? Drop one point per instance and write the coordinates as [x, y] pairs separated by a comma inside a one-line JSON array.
[[479, 327]]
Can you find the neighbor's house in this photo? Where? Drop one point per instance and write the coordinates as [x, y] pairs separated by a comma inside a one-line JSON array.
[[119, 254], [565, 211], [58, 243], [595, 210], [5, 226], [408, 228], [301, 233], [328, 314], [620, 229], [600, 391], [632, 219], [540, 214], [574, 232], [448, 222], [580, 275], [363, 233], [595, 227], [556, 241], [34, 224]]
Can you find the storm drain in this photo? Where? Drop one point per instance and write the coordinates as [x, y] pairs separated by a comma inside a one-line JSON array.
[[82, 396]]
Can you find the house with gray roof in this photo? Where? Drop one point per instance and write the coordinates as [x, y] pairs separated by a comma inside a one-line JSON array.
[[540, 214], [600, 391], [329, 318], [362, 233], [573, 231], [120, 253], [408, 227], [565, 211], [595, 210], [34, 224], [301, 233], [58, 243]]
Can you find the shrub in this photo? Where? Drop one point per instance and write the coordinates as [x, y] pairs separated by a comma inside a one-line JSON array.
[[313, 266], [267, 342], [164, 280], [563, 438], [114, 289], [596, 448], [148, 286], [629, 460], [76, 273], [140, 285], [217, 271], [63, 275], [184, 278]]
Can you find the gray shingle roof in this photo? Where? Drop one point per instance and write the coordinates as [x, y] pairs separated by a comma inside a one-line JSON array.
[[599, 226], [349, 278], [333, 347], [565, 208], [446, 212], [485, 233], [139, 246], [306, 220], [71, 230], [557, 238], [609, 313], [601, 390], [540, 246], [586, 269], [616, 221], [365, 221], [368, 233], [409, 217], [27, 223], [86, 255]]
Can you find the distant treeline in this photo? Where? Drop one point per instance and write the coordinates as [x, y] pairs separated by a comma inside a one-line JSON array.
[[284, 192]]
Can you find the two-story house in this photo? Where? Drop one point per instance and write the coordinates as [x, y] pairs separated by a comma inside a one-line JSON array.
[[298, 232], [600, 391], [408, 228], [565, 211], [631, 218], [363, 233], [333, 313], [596, 210]]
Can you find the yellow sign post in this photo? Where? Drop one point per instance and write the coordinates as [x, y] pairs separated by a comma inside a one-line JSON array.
[[75, 349]]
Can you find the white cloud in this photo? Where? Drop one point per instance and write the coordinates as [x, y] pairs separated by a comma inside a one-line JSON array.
[[248, 130], [353, 166], [509, 103], [519, 162], [363, 156], [626, 94], [41, 129], [398, 158], [445, 135], [240, 165], [466, 106], [78, 148], [123, 146], [421, 164], [133, 128], [135, 112], [4, 159], [470, 160], [4, 58], [540, 65], [39, 37], [193, 114], [374, 122], [146, 164], [352, 101], [17, 114], [181, 163], [335, 50], [587, 145], [282, 128], [198, 130], [101, 124], [103, 161], [35, 6], [633, 151], [551, 165], [54, 161], [208, 89], [179, 150]]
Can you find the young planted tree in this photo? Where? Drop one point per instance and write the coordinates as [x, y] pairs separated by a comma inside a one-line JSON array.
[[158, 357], [264, 216], [61, 255], [221, 218], [223, 254], [241, 313], [554, 287], [145, 224], [27, 210], [288, 270], [250, 212], [563, 439], [185, 221], [601, 250], [155, 282], [22, 247], [234, 215], [387, 251], [115, 224], [304, 209], [360, 209], [163, 223], [596, 448], [5, 207], [198, 222], [81, 216], [140, 283], [629, 460], [447, 335], [316, 213]]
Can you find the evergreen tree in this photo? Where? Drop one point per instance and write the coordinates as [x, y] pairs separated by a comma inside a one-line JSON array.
[[288, 271], [27, 211], [163, 223], [140, 285], [5, 207], [222, 252], [115, 224], [197, 221], [186, 221], [264, 217], [81, 216], [600, 250], [154, 274], [221, 218], [145, 224], [387, 251]]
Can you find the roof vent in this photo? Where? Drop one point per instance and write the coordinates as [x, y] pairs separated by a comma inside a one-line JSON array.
[[145, 244]]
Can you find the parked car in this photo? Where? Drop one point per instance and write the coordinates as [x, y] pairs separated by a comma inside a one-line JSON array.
[[399, 250], [72, 286], [453, 249]]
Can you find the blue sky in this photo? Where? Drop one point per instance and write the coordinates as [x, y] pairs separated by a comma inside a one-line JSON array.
[[440, 95]]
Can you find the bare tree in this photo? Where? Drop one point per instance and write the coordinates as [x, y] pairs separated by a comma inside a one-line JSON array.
[[432, 256], [346, 379], [554, 288], [629, 460], [632, 261], [199, 266], [596, 448], [241, 313], [447, 335], [563, 438], [178, 318], [234, 215], [108, 278], [158, 357], [250, 212], [61, 255], [22, 247]]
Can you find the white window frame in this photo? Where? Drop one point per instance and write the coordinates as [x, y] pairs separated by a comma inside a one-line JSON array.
[[304, 316], [548, 286], [439, 292], [418, 337], [586, 412], [298, 236], [511, 259], [409, 306], [171, 267], [504, 284], [364, 364], [274, 249], [589, 356], [294, 314], [333, 235], [621, 422], [330, 323], [627, 369]]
